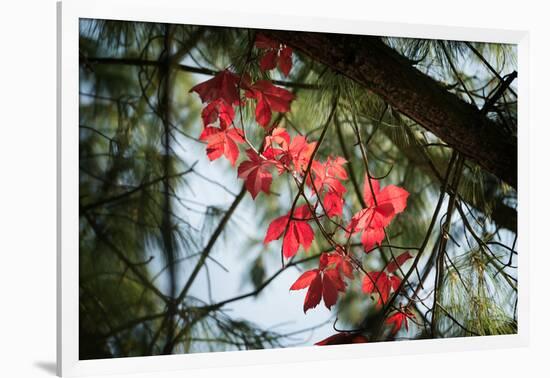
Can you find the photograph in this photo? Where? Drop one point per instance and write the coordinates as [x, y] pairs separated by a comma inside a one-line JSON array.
[[243, 188]]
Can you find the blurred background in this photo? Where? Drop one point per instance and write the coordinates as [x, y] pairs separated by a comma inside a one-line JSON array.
[[169, 241]]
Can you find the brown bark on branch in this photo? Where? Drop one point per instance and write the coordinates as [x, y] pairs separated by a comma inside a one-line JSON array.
[[379, 68]]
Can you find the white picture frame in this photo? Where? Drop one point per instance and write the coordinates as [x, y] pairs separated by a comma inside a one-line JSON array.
[[69, 13]]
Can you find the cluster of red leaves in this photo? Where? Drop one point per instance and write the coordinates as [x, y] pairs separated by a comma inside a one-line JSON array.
[[324, 179], [292, 155], [280, 152], [326, 281], [275, 54], [221, 94], [255, 173]]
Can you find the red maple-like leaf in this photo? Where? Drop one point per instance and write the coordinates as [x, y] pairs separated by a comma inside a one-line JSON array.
[[269, 60], [371, 237], [314, 293], [278, 140], [382, 284], [224, 86], [256, 173], [296, 230], [269, 99], [326, 183], [328, 175], [332, 284], [343, 338], [298, 154], [285, 60], [305, 279], [293, 155], [218, 110], [276, 54], [382, 206], [398, 319], [222, 141], [274, 145], [399, 260], [333, 204], [338, 261], [322, 285], [325, 282], [313, 280]]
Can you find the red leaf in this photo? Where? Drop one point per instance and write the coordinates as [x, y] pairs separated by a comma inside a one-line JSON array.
[[215, 110], [276, 229], [305, 279], [278, 139], [256, 173], [343, 338], [222, 141], [291, 241], [223, 86], [269, 60], [390, 201], [398, 319], [399, 260], [334, 275], [313, 280], [395, 196], [346, 268], [378, 283], [395, 282], [298, 154], [333, 205], [302, 213], [368, 193], [285, 60], [382, 206], [299, 232], [292, 155], [336, 261], [331, 266], [263, 110], [276, 54], [327, 175], [371, 237], [314, 293], [269, 99], [330, 290]]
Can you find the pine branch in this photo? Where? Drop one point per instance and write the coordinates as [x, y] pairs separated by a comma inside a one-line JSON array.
[[90, 61], [377, 67]]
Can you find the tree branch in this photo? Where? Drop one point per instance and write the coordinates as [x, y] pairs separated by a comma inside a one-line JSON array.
[[182, 67], [377, 67]]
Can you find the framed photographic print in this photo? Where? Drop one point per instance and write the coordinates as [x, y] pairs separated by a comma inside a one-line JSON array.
[[241, 189]]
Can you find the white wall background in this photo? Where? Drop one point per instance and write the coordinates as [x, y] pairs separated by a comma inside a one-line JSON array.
[[27, 186]]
